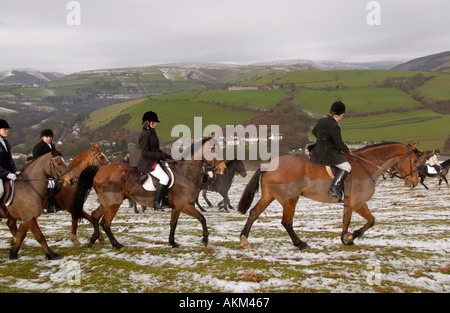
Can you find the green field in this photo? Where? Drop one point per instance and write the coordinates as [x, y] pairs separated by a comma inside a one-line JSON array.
[[375, 112]]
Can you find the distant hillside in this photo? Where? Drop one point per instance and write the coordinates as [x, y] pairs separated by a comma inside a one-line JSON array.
[[27, 76], [439, 62]]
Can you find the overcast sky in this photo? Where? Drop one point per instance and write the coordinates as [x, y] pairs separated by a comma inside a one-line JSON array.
[[122, 33]]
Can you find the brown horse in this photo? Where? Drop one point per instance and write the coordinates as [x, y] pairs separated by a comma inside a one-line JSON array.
[[65, 197], [29, 193], [296, 177], [117, 181]]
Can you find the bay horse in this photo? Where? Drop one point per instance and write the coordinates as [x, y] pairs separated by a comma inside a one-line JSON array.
[[65, 197], [29, 193], [222, 184], [116, 181], [423, 172], [296, 176]]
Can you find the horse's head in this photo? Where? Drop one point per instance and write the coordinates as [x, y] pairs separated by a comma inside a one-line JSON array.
[[241, 168], [210, 155], [59, 170], [98, 156], [407, 166]]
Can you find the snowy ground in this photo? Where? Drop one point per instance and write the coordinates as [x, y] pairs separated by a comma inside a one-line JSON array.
[[407, 250]]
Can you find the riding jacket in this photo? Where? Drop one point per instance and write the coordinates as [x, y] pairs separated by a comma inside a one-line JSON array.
[[150, 152], [7, 164], [42, 148], [329, 145]]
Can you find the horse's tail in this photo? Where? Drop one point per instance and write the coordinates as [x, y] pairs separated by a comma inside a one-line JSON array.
[[249, 192], [85, 182]]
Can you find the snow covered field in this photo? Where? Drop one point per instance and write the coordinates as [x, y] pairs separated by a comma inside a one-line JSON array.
[[407, 250]]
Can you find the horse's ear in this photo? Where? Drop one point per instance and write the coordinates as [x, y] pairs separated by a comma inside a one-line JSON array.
[[414, 146], [53, 153], [94, 145]]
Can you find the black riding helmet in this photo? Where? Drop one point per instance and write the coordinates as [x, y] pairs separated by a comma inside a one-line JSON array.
[[4, 124], [46, 132], [337, 108], [150, 116]]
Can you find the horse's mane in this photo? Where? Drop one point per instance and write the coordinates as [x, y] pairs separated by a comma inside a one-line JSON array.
[[446, 163], [377, 145], [189, 152]]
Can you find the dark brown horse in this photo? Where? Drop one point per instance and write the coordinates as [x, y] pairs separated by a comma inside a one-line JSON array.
[[295, 177], [65, 197], [222, 184], [423, 172], [29, 193], [117, 181]]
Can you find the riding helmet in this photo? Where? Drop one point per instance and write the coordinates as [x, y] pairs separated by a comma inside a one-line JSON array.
[[150, 116], [4, 124], [437, 151], [46, 132], [337, 108]]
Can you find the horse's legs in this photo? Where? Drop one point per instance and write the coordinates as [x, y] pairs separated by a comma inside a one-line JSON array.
[[365, 213], [12, 225], [286, 221], [173, 225], [34, 227], [109, 215], [206, 199], [20, 236], [95, 218], [190, 210], [259, 207], [422, 178], [199, 206], [346, 238]]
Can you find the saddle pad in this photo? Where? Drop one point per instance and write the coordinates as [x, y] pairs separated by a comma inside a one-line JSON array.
[[431, 170], [149, 186]]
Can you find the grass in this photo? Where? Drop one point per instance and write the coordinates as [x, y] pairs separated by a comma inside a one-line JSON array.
[[408, 260]]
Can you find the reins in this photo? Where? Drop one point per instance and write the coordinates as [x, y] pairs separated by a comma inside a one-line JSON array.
[[383, 169]]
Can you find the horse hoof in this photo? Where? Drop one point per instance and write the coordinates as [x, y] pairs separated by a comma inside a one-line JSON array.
[[304, 246], [347, 239], [53, 256], [244, 243]]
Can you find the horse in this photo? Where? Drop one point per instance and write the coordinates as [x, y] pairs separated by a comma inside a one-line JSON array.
[[296, 176], [64, 198], [423, 172], [116, 181], [222, 184], [29, 193]]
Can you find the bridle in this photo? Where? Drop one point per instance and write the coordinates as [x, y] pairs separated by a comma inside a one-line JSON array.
[[383, 169], [95, 157]]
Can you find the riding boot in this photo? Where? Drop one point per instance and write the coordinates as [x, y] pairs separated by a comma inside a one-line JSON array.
[[50, 201], [159, 194], [141, 180], [336, 187]]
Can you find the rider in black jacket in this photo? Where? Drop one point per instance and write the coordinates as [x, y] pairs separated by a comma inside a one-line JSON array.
[[329, 147]]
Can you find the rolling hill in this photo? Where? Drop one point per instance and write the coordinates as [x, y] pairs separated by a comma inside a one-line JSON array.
[[439, 62]]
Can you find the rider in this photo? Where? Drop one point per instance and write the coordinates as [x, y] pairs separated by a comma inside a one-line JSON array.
[[433, 160], [8, 169], [151, 156], [329, 147], [43, 147]]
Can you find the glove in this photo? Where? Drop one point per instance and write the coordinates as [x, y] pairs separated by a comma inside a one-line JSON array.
[[18, 173], [11, 176]]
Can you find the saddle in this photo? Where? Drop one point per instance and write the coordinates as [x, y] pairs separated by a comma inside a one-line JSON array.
[[7, 197], [150, 184], [431, 170]]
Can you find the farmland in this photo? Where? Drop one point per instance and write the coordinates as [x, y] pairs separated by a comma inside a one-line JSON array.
[[382, 105]]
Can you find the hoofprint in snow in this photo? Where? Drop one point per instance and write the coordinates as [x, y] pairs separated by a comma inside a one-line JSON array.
[[407, 250]]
